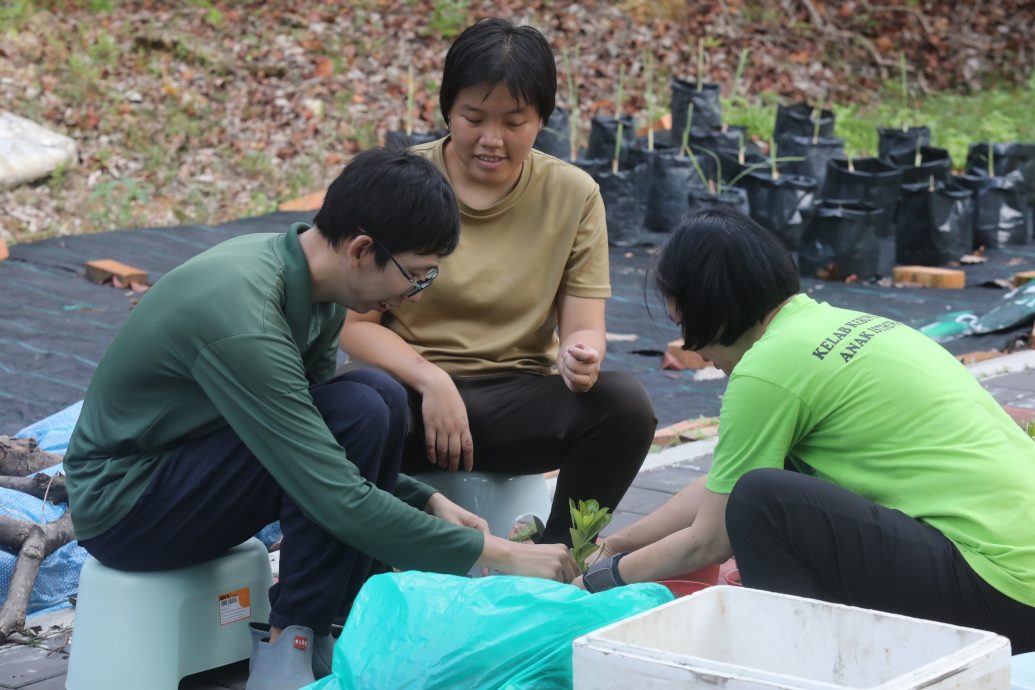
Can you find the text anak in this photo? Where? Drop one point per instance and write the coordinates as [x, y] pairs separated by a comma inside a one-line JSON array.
[[853, 339]]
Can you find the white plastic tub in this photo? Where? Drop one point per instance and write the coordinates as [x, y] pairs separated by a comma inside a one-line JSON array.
[[736, 638]]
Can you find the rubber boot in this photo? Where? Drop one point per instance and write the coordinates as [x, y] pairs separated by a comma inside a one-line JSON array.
[[286, 664], [323, 652], [323, 649], [260, 633]]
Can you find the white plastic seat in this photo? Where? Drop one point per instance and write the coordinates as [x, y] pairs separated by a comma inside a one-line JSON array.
[[148, 630], [502, 499]]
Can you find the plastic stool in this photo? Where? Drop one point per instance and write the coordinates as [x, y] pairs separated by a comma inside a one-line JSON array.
[[149, 630], [1023, 672], [502, 499]]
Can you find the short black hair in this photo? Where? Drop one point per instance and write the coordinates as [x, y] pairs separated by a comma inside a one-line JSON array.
[[494, 51], [398, 198], [725, 273]]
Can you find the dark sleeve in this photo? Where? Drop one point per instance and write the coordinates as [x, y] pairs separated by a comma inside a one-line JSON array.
[[258, 384]]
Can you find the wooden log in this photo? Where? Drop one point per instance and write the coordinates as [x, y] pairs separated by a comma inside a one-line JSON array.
[[22, 456], [42, 486], [105, 270], [35, 542], [930, 276]]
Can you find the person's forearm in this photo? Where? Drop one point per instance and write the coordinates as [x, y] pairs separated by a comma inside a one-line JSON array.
[[675, 514], [497, 553], [372, 343], [681, 552]]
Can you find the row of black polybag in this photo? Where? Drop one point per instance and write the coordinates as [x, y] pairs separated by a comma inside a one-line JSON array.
[[831, 209]]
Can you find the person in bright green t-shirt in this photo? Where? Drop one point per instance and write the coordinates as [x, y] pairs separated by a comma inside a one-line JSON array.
[[910, 490]]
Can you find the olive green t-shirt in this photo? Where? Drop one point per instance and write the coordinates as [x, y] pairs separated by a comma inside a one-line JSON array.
[[883, 411], [232, 337], [494, 306]]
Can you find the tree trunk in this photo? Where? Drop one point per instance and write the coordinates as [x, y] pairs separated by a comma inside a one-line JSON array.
[[22, 456], [40, 485], [36, 542]]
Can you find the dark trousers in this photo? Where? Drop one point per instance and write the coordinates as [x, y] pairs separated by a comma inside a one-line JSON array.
[[211, 493], [526, 423], [800, 535]]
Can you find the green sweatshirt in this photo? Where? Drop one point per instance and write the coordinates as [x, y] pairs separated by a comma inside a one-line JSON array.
[[232, 337]]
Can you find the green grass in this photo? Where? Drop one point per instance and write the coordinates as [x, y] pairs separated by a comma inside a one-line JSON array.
[[956, 120]]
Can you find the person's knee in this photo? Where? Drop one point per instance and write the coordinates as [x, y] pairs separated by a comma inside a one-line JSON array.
[[751, 495], [627, 403]]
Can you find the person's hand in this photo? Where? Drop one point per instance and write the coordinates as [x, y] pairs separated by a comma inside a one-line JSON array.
[[578, 582], [549, 561], [447, 434], [441, 507], [604, 551], [579, 366]]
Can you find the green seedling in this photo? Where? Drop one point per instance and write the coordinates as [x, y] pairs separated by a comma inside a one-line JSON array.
[[587, 520], [917, 158], [409, 101], [573, 105], [905, 89], [618, 116], [648, 77], [700, 65], [525, 532], [991, 160], [1029, 427], [817, 117]]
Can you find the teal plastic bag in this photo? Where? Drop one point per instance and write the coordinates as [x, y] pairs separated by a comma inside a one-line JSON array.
[[427, 631]]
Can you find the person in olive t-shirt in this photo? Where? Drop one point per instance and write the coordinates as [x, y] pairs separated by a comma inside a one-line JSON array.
[[909, 488], [214, 412], [504, 367]]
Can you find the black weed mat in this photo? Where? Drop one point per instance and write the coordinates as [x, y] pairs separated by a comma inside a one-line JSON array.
[[55, 325]]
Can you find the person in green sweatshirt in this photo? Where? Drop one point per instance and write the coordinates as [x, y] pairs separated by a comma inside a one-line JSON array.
[[215, 412], [858, 462]]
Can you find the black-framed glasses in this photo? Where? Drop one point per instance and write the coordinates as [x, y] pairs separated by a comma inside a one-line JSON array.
[[418, 285]]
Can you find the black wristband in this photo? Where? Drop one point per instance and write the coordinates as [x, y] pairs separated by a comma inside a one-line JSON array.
[[603, 575]]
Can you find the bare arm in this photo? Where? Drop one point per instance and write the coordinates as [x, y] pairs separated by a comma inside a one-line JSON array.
[[678, 512], [703, 543], [447, 434], [580, 322]]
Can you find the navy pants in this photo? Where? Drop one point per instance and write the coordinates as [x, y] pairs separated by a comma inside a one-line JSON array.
[[211, 493], [526, 423], [799, 535]]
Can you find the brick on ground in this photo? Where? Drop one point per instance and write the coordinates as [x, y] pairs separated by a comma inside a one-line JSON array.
[[978, 356], [687, 430], [4, 251], [309, 202], [102, 270], [677, 358], [1023, 277], [930, 276]]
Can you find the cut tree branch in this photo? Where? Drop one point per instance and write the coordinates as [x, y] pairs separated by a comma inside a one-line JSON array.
[[39, 485], [35, 542], [23, 456]]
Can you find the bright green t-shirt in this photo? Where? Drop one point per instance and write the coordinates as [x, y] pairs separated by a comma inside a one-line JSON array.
[[883, 411]]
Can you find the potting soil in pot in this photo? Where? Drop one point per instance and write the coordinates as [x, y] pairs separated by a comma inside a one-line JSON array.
[[778, 204], [554, 138], [840, 241], [621, 194], [815, 154], [868, 180], [603, 131], [732, 197], [398, 139], [732, 168], [934, 162], [934, 226], [670, 181], [893, 140], [1002, 214], [798, 119], [707, 113]]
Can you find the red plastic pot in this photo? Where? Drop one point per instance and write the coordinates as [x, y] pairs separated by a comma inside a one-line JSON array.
[[682, 588], [732, 578], [708, 575]]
